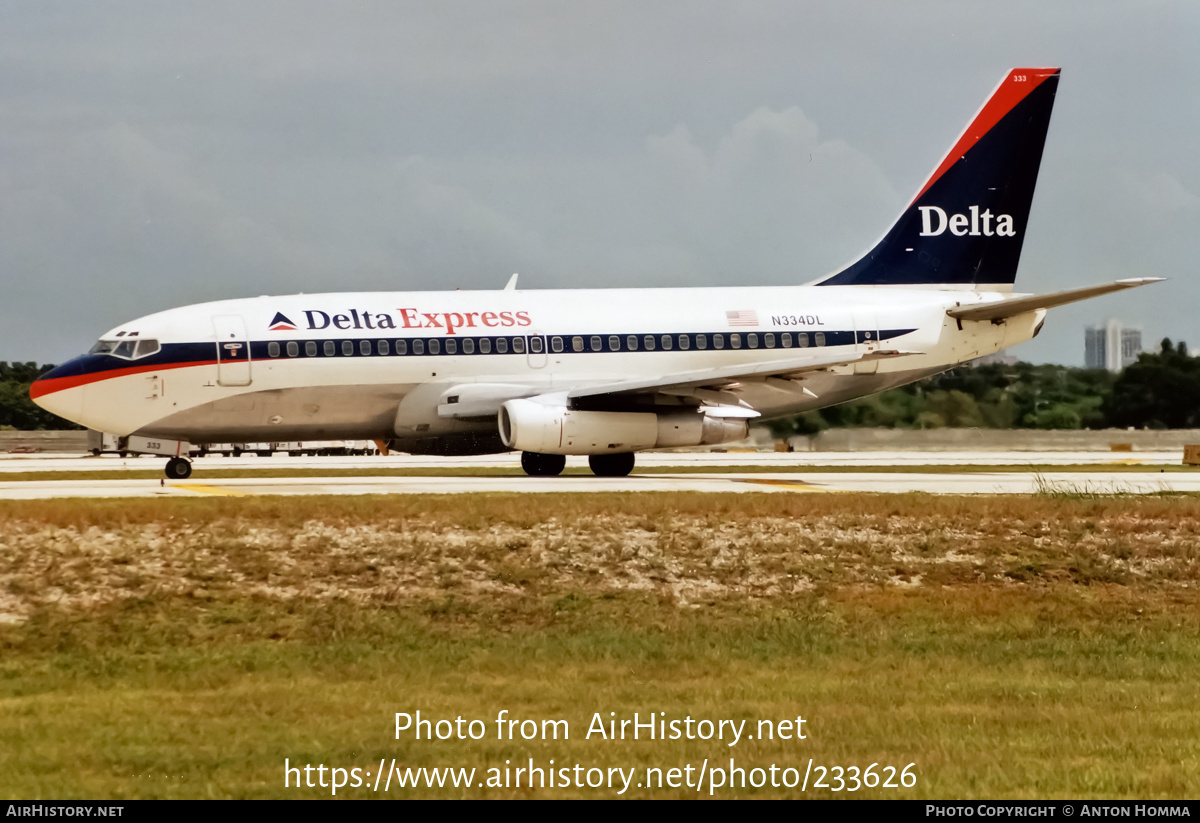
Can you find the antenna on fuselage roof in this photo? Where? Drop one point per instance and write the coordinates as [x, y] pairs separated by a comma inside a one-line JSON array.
[[511, 285]]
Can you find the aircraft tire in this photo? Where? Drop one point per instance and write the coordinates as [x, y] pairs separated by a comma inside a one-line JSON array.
[[179, 469], [611, 465], [536, 464]]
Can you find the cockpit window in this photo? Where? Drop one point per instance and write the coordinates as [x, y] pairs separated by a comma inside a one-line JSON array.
[[146, 348], [127, 349]]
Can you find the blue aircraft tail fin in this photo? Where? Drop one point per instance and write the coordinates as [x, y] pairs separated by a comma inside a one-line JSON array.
[[965, 228]]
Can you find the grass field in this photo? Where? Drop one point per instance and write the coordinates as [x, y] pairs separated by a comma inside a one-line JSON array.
[[1044, 646]]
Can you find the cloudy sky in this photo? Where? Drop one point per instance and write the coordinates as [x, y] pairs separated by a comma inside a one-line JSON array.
[[158, 154]]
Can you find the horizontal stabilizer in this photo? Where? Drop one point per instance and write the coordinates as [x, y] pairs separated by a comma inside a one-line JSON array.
[[1000, 309]]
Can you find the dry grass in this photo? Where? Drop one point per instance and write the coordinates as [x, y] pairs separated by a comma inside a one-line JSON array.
[[1011, 647], [497, 552]]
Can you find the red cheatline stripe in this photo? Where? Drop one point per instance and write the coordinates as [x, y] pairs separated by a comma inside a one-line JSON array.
[[43, 387], [1012, 91]]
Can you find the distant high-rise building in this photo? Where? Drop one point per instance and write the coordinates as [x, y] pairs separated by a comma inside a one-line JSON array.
[[1111, 346]]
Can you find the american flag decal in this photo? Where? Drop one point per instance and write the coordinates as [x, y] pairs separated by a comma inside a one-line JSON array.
[[742, 318]]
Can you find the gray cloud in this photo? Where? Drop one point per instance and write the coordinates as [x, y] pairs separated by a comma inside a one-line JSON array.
[[154, 155]]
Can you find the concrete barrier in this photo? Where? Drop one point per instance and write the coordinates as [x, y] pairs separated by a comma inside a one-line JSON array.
[[1015, 440], [71, 442]]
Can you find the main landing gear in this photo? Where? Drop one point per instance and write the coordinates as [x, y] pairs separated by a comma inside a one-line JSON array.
[[611, 465], [179, 468], [542, 465], [603, 465]]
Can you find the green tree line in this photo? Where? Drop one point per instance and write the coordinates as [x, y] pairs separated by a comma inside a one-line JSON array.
[[1161, 390], [17, 411]]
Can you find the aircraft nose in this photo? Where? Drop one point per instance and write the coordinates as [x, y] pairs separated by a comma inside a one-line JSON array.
[[58, 392]]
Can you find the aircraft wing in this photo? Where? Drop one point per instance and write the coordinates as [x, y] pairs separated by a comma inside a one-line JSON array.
[[1000, 309], [714, 385]]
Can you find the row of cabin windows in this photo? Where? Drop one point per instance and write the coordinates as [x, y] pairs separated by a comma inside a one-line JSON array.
[[684, 342], [558, 344]]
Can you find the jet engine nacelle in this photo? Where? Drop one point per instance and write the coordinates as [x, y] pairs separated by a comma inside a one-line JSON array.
[[526, 425]]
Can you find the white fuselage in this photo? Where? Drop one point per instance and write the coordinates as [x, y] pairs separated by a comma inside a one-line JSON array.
[[380, 365]]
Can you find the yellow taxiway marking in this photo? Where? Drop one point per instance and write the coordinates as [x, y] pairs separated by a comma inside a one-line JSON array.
[[201, 488], [798, 485]]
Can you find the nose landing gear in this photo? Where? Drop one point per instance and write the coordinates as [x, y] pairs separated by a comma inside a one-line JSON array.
[[179, 468]]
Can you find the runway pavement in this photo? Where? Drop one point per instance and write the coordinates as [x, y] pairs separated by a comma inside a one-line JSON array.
[[789, 476], [786, 461]]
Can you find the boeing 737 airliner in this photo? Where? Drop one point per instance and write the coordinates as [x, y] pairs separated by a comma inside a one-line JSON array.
[[603, 373]]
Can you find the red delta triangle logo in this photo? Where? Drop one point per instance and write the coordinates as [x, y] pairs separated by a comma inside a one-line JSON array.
[[281, 323]]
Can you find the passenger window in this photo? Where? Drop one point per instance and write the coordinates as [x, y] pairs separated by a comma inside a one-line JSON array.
[[577, 343], [769, 339], [614, 343], [348, 347], [735, 341], [451, 346], [684, 342], [501, 345], [435, 346], [330, 348], [820, 337], [535, 345], [802, 339], [272, 349], [519, 345], [701, 341], [310, 348], [364, 347], [648, 342], [401, 347], [556, 344], [293, 348], [485, 345], [418, 346], [666, 342], [752, 340], [786, 339], [718, 341], [631, 341], [385, 348], [597, 343], [468, 346]]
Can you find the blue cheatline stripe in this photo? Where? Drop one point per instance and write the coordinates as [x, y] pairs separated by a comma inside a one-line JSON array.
[[563, 344], [175, 355]]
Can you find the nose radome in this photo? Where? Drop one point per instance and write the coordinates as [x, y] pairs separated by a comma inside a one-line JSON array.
[[57, 393]]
